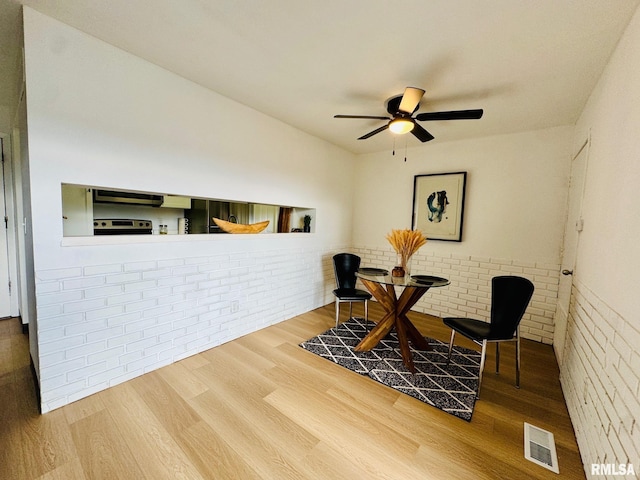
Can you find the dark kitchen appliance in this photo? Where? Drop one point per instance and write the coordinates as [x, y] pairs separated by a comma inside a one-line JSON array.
[[118, 226], [130, 198], [201, 212]]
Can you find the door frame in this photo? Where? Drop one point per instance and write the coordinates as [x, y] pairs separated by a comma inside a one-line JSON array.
[[566, 280], [10, 231]]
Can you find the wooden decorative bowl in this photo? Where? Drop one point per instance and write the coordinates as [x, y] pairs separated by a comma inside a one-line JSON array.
[[231, 227]]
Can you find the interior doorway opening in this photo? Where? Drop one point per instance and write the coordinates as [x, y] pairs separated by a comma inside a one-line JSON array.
[[5, 277]]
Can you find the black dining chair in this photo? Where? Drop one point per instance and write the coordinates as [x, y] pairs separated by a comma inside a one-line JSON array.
[[345, 266], [510, 296]]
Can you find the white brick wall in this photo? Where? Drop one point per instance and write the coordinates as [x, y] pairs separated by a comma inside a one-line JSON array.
[[469, 293], [104, 324], [600, 377], [101, 325]]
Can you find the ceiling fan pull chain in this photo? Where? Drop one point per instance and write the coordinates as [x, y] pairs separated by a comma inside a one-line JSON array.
[[394, 146], [405, 149]]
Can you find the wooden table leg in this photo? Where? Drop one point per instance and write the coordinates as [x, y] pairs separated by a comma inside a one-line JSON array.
[[377, 333], [408, 299], [396, 317], [387, 299]]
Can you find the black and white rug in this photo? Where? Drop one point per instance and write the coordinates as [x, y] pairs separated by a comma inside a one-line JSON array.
[[450, 388]]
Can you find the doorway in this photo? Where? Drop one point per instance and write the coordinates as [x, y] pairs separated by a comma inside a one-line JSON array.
[[5, 279], [572, 230]]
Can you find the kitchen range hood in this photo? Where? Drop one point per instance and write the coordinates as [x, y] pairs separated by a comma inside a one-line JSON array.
[[130, 198]]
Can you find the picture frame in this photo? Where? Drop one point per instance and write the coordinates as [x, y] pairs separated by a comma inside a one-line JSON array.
[[438, 205]]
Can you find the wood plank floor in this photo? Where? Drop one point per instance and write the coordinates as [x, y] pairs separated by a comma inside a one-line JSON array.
[[260, 407]]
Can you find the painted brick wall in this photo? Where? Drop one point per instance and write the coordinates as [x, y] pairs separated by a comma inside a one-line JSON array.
[[469, 293], [101, 325], [600, 376]]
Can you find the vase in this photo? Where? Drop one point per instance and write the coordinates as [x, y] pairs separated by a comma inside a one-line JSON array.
[[403, 266]]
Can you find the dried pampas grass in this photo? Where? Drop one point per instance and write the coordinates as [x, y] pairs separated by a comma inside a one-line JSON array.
[[406, 243]]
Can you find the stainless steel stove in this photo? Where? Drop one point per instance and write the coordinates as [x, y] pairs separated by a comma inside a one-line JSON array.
[[121, 226]]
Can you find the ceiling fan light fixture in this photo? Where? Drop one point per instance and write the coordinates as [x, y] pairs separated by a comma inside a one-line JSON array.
[[401, 125]]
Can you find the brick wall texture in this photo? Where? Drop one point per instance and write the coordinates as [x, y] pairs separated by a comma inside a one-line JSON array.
[[469, 294], [600, 375], [101, 325]]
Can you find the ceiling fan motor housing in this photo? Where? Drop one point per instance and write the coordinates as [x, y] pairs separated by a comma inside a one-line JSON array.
[[393, 105]]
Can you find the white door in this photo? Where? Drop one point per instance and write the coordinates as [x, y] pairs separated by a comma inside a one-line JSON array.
[[572, 231], [5, 298]]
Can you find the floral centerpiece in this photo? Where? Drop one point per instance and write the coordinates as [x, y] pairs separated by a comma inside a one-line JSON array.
[[405, 243]]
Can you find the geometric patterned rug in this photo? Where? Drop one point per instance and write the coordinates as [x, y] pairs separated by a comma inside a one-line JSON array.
[[450, 388]]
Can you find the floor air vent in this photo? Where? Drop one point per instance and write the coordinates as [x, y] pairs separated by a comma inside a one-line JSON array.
[[540, 447]]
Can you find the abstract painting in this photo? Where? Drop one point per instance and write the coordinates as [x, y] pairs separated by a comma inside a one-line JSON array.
[[438, 205]]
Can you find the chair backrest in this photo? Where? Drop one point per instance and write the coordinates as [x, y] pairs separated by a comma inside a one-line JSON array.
[[510, 296], [345, 266]]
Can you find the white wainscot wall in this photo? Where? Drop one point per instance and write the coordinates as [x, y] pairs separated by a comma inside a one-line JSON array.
[[469, 294], [100, 325], [600, 377]]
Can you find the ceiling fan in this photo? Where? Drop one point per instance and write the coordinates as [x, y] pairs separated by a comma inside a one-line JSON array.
[[402, 107]]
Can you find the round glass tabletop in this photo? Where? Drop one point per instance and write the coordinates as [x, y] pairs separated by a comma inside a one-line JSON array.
[[382, 276]]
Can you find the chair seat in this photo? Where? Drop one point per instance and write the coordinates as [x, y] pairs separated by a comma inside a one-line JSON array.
[[351, 294], [473, 329]]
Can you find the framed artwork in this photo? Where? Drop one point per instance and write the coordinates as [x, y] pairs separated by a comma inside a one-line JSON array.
[[438, 205]]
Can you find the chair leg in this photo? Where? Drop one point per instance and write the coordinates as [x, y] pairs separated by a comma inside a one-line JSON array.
[[482, 358], [337, 311], [366, 311], [453, 335], [497, 358], [518, 357]]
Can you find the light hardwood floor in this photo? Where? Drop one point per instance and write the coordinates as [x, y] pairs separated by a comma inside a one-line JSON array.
[[260, 407]]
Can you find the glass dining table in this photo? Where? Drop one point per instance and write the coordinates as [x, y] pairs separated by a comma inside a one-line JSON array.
[[382, 286]]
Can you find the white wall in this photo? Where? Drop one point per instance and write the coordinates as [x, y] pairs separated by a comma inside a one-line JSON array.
[[514, 216], [515, 197], [107, 313], [601, 368]]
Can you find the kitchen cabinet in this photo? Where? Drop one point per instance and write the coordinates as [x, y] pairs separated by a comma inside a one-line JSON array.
[[176, 201], [77, 211]]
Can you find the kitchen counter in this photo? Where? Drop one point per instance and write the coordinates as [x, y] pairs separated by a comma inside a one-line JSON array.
[[138, 239]]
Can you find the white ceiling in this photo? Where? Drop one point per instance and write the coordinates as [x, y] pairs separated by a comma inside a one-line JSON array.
[[528, 64]]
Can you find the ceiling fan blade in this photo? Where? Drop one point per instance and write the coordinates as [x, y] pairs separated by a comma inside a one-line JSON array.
[[410, 100], [453, 115], [421, 134], [362, 116], [371, 134]]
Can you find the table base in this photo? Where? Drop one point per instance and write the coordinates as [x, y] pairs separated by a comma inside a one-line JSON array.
[[396, 317]]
